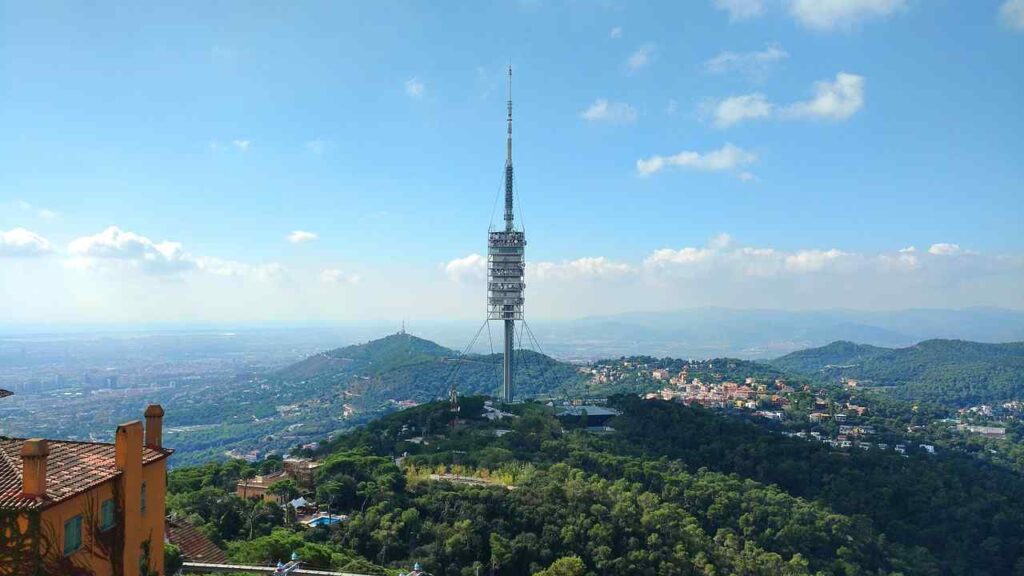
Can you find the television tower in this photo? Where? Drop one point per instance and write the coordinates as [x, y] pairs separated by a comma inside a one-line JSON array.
[[506, 264]]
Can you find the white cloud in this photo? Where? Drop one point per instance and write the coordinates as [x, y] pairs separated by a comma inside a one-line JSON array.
[[114, 244], [414, 88], [740, 9], [723, 255], [903, 259], [739, 108], [754, 262], [641, 57], [832, 14], [338, 277], [836, 100], [944, 249], [728, 157], [812, 260], [22, 242], [833, 100], [317, 146], [615, 33], [612, 112], [672, 108], [754, 65], [301, 237], [220, 267], [746, 177], [468, 268], [117, 249], [242, 145], [1011, 13], [719, 272], [689, 255], [586, 267]]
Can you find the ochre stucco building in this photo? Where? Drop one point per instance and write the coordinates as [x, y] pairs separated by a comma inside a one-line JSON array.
[[85, 508]]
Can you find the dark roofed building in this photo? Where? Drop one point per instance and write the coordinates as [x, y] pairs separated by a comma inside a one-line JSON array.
[[194, 545], [596, 415]]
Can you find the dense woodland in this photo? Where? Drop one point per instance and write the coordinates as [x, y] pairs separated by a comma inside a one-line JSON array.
[[675, 490], [954, 373]]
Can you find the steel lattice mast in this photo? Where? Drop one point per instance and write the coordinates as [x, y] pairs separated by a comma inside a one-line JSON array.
[[505, 268]]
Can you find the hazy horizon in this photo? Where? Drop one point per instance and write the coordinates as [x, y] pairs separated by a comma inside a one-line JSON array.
[[397, 323]]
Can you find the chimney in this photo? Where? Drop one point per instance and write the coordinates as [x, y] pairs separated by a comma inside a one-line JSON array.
[[128, 459], [154, 426], [33, 465]]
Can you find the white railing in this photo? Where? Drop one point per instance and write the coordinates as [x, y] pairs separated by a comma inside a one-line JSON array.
[[204, 568]]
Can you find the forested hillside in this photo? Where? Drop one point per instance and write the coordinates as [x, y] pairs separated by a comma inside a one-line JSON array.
[[675, 490], [402, 366], [336, 390], [952, 372]]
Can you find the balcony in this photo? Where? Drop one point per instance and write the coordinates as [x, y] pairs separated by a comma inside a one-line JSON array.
[[506, 239]]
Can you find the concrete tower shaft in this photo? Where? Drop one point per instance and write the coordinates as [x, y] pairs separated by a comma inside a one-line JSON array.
[[506, 265]]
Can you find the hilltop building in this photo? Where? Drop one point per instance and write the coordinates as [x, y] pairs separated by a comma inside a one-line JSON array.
[[301, 470], [85, 507], [258, 487]]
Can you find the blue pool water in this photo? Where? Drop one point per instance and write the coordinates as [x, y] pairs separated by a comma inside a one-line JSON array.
[[325, 521]]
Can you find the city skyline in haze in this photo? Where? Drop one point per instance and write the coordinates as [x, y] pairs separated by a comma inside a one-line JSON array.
[[320, 161]]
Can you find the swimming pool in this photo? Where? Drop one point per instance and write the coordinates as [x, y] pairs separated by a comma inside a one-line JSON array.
[[323, 521]]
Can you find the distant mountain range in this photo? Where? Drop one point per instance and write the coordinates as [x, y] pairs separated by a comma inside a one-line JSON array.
[[696, 333], [335, 390], [763, 334], [951, 372], [956, 373]]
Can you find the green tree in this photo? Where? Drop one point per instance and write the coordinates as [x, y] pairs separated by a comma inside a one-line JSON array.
[[501, 552], [285, 489], [568, 566], [172, 558]]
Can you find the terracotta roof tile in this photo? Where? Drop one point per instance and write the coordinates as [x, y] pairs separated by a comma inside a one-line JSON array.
[[194, 545], [71, 468]]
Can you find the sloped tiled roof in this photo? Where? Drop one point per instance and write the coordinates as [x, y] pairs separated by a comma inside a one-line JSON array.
[[71, 468], [194, 545], [264, 480]]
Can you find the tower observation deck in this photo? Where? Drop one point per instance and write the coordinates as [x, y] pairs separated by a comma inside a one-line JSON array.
[[506, 267]]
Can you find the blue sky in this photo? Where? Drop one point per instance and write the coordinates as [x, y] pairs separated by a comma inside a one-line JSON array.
[[746, 153]]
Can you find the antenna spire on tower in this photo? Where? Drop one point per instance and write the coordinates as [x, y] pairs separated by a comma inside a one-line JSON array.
[[509, 215]]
